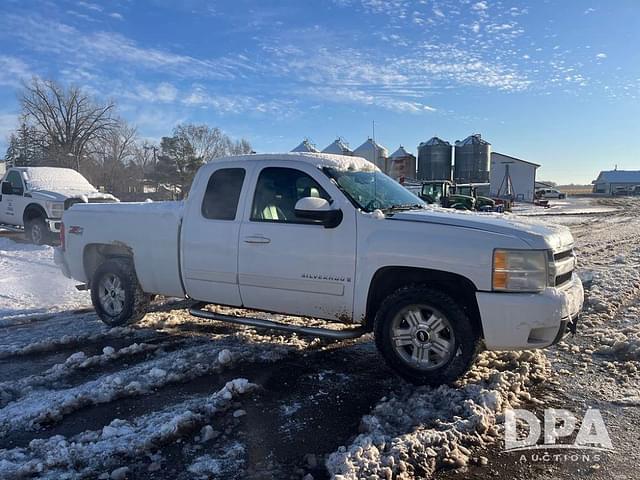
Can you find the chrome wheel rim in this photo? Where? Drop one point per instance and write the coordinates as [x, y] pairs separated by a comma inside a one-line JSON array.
[[422, 336], [111, 295]]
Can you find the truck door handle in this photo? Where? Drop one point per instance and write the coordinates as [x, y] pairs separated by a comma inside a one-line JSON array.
[[257, 239]]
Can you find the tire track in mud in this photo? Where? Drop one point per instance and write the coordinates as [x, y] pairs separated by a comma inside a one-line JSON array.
[[306, 405]]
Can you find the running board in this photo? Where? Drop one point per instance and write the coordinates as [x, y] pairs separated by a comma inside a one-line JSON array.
[[346, 334], [12, 228]]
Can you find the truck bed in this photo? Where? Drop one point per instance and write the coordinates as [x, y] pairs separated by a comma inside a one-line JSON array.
[[150, 230]]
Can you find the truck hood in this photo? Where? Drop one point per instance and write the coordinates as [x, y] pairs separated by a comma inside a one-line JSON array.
[[62, 195], [536, 234]]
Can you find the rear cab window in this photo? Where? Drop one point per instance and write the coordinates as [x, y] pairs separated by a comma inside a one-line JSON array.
[[221, 197]]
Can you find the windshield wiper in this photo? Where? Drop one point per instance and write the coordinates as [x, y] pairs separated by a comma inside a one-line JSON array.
[[403, 206]]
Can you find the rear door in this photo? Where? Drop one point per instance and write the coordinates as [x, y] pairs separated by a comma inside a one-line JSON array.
[[209, 240], [290, 264]]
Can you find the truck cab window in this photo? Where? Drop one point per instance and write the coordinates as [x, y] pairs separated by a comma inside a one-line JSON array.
[[16, 182], [223, 192], [277, 192]]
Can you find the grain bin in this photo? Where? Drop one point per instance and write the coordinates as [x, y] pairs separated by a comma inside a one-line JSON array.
[[402, 164], [435, 160], [338, 147], [306, 146], [473, 160], [373, 152]]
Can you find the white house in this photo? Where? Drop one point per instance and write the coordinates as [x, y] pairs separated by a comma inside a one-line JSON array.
[[610, 180], [521, 172], [2, 168]]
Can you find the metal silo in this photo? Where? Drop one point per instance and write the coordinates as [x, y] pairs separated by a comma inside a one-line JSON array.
[[473, 160], [402, 164], [373, 152], [435, 160], [338, 147], [306, 146]]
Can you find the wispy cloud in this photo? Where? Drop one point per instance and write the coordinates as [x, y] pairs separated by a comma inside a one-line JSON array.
[[13, 70]]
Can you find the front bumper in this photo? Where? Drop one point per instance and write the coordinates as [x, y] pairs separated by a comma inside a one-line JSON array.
[[518, 321], [54, 224]]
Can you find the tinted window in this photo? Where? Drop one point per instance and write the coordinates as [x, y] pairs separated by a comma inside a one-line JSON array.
[[223, 192], [277, 192], [16, 182]]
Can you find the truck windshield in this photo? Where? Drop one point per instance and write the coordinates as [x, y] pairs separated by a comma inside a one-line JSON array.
[[374, 190]]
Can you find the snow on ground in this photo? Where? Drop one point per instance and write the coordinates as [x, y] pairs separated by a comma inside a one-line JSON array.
[[30, 283], [93, 451], [566, 206], [420, 430]]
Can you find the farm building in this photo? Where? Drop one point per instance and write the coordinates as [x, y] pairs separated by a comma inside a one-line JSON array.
[[522, 176], [612, 181]]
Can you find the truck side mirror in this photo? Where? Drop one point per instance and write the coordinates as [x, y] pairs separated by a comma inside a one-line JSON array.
[[7, 189], [319, 209]]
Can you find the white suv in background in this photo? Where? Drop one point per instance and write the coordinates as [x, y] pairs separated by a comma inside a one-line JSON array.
[[550, 193]]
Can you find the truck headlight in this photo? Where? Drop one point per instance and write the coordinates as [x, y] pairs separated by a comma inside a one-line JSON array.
[[520, 270], [56, 209]]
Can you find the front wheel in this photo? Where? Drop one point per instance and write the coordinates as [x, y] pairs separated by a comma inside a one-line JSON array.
[[37, 231], [425, 336], [116, 293]]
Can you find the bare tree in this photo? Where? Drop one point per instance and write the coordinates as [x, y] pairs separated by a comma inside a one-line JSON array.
[[67, 117], [209, 143], [112, 152]]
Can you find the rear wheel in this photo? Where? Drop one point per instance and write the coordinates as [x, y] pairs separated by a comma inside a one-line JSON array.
[[37, 231], [116, 293], [425, 336]]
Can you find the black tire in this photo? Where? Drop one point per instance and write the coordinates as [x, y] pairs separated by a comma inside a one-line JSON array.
[[463, 338], [37, 231], [562, 196], [128, 297]]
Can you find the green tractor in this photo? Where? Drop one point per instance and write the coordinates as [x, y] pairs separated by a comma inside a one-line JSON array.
[[483, 203], [443, 192]]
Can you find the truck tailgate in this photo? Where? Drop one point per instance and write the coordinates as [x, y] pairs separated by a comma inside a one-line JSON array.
[[150, 230]]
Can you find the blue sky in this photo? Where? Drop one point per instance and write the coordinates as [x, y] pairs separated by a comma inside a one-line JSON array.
[[554, 82]]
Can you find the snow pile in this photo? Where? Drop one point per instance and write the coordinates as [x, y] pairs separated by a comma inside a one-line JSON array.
[[208, 466], [419, 430], [97, 450], [623, 343], [30, 283]]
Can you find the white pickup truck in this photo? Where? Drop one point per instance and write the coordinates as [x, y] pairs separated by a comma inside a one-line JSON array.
[[332, 237], [34, 198]]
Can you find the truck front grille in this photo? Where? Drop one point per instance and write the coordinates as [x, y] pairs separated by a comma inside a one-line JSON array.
[[564, 263]]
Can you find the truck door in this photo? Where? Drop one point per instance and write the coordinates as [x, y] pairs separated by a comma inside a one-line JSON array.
[[209, 239], [291, 264], [12, 204]]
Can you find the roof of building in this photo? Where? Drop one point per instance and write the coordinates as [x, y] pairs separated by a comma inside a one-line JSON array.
[[618, 176], [475, 139], [306, 146], [435, 141], [338, 147], [515, 159], [400, 153]]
